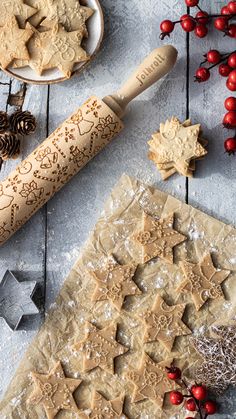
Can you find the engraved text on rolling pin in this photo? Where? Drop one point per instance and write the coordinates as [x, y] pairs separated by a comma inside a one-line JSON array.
[[149, 70]]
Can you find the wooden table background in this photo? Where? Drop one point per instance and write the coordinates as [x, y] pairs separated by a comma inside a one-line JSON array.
[[46, 248]]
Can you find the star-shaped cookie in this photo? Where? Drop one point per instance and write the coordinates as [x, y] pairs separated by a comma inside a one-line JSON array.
[[151, 381], [69, 13], [17, 8], [166, 170], [36, 51], [54, 48], [105, 409], [114, 283], [164, 323], [63, 51], [158, 238], [202, 280], [13, 42], [100, 348], [54, 391], [175, 146], [43, 10], [217, 369]]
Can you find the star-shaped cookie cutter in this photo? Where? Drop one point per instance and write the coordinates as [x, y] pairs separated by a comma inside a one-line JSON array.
[[16, 299]]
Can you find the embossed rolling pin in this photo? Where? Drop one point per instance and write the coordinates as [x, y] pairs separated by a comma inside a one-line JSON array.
[[72, 145]]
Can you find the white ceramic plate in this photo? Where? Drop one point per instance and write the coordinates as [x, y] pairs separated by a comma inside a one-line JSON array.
[[95, 25]]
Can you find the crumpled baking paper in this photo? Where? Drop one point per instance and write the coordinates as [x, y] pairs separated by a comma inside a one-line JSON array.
[[65, 322]]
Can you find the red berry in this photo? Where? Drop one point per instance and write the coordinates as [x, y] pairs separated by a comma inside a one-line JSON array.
[[202, 74], [183, 17], [221, 23], [176, 397], [225, 11], [202, 17], [210, 407], [201, 31], [173, 373], [213, 56], [190, 405], [232, 76], [232, 30], [229, 120], [187, 23], [199, 392], [232, 60], [231, 86], [224, 70], [230, 145], [191, 3], [232, 6], [167, 26], [230, 103]]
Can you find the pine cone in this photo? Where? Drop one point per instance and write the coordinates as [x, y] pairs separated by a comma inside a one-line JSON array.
[[22, 122], [9, 145], [3, 121]]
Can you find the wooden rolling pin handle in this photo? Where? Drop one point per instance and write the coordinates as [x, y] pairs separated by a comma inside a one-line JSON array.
[[153, 68]]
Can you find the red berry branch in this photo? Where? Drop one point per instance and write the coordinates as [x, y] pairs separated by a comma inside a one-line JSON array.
[[198, 23], [195, 399], [226, 62]]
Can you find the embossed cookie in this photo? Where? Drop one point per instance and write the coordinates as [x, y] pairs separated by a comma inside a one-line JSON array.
[[114, 283], [158, 238], [64, 50], [100, 348], [69, 13], [17, 8], [202, 280], [36, 51], [175, 146], [151, 381], [43, 10], [13, 42], [103, 409], [55, 48], [54, 391], [164, 323]]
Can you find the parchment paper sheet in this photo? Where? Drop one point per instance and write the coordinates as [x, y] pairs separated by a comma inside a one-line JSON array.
[[65, 322]]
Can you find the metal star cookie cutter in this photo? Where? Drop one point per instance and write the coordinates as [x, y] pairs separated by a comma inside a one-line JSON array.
[[16, 299]]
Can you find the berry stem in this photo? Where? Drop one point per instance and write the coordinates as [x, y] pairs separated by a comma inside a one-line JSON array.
[[196, 19], [197, 402], [199, 8], [224, 58]]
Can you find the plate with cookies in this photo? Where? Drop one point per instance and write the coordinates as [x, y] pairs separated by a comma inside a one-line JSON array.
[[47, 41]]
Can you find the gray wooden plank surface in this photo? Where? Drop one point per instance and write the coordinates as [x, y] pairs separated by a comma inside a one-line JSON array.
[[24, 253], [46, 248]]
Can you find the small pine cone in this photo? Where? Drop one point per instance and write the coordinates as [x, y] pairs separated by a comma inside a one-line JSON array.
[[3, 121], [23, 122], [9, 145]]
